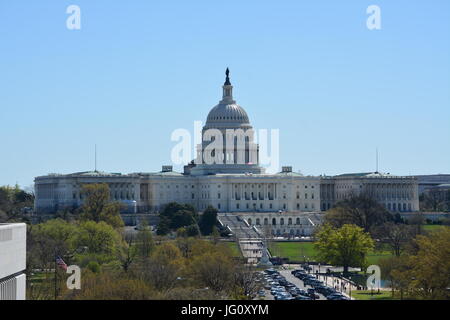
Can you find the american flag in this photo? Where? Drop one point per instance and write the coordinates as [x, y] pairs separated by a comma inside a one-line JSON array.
[[60, 262]]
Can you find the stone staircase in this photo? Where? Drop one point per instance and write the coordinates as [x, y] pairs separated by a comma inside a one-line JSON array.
[[249, 239]]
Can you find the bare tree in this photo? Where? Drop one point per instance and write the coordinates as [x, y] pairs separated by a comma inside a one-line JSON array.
[[246, 280], [396, 236]]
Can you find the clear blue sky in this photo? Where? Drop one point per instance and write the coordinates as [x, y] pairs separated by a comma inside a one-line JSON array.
[[137, 70]]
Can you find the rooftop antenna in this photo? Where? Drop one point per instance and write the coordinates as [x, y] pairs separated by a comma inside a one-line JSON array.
[[95, 158], [376, 160]]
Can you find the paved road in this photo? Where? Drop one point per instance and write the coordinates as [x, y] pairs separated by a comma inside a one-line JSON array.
[[299, 283]]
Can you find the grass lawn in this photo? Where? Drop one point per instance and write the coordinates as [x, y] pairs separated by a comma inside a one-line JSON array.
[[234, 248], [293, 250], [433, 227], [375, 256], [366, 295], [296, 251]]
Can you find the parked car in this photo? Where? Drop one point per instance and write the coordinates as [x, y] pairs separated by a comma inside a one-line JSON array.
[[337, 297], [301, 292], [271, 271], [301, 297], [312, 294], [301, 276], [293, 291], [322, 289], [296, 271], [308, 281]]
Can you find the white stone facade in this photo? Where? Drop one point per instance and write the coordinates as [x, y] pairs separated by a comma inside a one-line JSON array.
[[235, 183], [395, 193], [286, 191]]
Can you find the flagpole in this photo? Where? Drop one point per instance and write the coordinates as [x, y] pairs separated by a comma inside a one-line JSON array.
[[55, 274]]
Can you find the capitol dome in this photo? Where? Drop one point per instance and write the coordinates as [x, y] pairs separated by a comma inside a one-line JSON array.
[[227, 114]]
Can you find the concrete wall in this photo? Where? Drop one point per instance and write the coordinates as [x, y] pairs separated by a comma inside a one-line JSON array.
[[12, 261]]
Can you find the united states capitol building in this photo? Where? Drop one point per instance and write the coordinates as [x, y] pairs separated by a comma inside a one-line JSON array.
[[238, 184]]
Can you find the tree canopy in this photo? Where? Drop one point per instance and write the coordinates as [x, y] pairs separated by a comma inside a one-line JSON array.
[[175, 216], [360, 210], [97, 205], [13, 202], [208, 220], [345, 246], [424, 272]]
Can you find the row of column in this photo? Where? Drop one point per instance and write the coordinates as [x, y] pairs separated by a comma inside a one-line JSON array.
[[240, 190]]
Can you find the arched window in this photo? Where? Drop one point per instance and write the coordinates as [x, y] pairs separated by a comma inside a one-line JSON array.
[[289, 221], [258, 222], [297, 221], [250, 221], [282, 221], [274, 222], [266, 221]]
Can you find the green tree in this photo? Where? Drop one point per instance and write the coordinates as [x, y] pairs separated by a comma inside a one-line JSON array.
[[431, 265], [99, 238], [98, 207], [346, 246], [174, 216], [145, 243], [215, 235], [163, 227], [397, 271], [45, 240], [182, 218], [164, 267], [192, 230], [214, 270], [112, 286], [208, 220], [128, 251], [13, 202]]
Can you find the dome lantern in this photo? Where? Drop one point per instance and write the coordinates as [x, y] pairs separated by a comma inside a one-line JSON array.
[[227, 114], [227, 89]]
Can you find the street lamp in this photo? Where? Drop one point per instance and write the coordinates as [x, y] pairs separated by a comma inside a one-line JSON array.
[[350, 287]]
